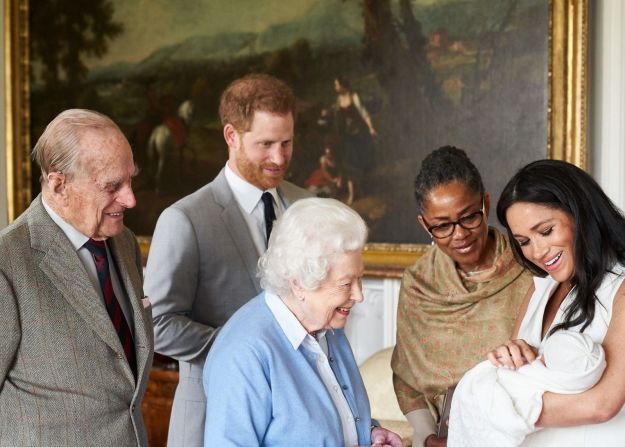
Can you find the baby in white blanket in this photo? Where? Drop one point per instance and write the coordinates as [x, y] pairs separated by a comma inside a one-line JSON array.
[[499, 407]]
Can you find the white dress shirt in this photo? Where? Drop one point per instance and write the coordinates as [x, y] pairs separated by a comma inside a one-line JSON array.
[[248, 198], [297, 335], [78, 240]]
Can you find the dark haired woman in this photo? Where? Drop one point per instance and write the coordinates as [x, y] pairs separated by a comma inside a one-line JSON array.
[[460, 299], [572, 237]]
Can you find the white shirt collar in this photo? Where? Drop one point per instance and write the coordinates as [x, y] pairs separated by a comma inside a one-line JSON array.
[[246, 194], [289, 323], [76, 238]]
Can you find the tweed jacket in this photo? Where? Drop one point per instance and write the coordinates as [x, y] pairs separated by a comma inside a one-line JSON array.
[[64, 378]]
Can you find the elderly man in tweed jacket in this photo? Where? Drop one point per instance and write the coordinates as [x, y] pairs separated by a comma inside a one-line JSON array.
[[76, 339]]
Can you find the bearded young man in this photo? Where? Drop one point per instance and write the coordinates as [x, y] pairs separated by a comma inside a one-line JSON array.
[[202, 262]]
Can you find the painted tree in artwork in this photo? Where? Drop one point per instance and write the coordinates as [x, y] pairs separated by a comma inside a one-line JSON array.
[[435, 82], [64, 32], [396, 47]]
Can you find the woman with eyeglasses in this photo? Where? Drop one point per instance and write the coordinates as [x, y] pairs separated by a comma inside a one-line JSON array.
[[459, 300]]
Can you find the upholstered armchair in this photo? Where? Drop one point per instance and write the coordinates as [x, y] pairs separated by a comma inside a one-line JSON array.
[[378, 378]]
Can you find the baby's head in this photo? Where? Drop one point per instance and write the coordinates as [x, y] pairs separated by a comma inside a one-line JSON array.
[[569, 351]]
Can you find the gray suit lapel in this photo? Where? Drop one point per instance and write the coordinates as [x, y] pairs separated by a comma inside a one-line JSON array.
[[235, 223], [123, 252], [61, 264], [64, 269], [284, 196], [289, 193]]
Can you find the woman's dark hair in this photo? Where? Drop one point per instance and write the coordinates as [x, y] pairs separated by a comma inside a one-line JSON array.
[[599, 234], [343, 82], [444, 165]]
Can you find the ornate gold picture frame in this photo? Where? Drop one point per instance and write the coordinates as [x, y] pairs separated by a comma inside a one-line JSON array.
[[567, 36]]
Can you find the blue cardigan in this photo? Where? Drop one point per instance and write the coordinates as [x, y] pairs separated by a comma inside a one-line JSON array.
[[262, 392]]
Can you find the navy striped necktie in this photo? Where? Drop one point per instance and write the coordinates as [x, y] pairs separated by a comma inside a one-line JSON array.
[[98, 251], [270, 214]]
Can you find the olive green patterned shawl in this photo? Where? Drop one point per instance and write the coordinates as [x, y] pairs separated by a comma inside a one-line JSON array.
[[447, 321]]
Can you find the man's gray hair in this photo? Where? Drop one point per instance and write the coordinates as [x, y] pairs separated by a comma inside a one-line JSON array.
[[58, 148], [304, 242]]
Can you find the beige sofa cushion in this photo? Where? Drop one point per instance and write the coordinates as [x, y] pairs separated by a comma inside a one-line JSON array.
[[378, 378]]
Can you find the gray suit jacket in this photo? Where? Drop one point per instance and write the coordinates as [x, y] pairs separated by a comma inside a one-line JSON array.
[[201, 269], [64, 378]]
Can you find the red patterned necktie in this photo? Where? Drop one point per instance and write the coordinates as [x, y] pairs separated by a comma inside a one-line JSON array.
[[98, 251]]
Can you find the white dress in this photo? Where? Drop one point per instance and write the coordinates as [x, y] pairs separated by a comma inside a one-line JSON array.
[[498, 407], [607, 434]]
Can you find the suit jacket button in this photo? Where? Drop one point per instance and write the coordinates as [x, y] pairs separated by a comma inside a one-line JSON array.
[[119, 355]]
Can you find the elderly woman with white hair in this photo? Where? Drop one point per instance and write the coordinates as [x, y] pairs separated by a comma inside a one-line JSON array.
[[281, 371]]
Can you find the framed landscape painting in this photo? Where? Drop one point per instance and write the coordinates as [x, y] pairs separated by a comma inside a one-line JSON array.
[[379, 83]]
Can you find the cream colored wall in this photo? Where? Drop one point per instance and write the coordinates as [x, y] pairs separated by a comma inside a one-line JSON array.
[[607, 97]]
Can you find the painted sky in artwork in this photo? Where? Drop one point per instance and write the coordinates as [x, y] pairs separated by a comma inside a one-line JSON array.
[[151, 24]]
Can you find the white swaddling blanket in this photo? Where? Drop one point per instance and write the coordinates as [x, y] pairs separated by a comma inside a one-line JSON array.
[[499, 407]]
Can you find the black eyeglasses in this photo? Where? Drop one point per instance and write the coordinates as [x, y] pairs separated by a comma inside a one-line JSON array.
[[446, 229]]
